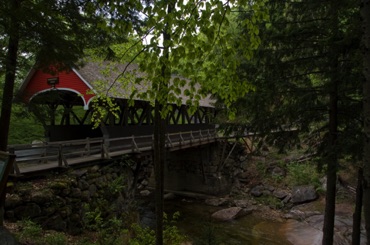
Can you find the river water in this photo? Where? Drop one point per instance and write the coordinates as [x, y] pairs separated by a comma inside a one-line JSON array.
[[195, 221]]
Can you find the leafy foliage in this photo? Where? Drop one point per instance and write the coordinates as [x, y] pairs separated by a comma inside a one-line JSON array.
[[291, 73], [32, 233]]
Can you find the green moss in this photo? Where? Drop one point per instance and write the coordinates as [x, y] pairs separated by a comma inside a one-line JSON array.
[[59, 185]]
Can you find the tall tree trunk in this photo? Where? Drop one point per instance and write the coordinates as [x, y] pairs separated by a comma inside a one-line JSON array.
[[332, 160], [160, 132], [365, 15], [10, 71], [331, 175], [8, 91], [159, 162], [356, 227]]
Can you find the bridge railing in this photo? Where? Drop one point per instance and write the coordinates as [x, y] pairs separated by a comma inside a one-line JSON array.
[[48, 155]]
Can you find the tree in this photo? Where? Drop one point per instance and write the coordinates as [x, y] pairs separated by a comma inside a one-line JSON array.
[[365, 15], [185, 33], [308, 79], [54, 32]]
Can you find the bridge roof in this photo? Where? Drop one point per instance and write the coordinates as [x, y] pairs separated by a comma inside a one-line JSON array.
[[113, 79]]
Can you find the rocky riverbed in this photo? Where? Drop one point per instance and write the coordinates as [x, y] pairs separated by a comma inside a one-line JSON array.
[[293, 213]]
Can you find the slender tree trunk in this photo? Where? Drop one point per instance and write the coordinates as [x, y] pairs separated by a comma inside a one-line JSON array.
[[331, 175], [365, 15], [8, 91], [10, 71], [356, 227], [160, 132], [159, 162]]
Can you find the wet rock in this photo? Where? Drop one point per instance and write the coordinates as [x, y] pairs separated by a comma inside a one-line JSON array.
[[300, 233], [302, 194], [230, 213], [6, 238], [296, 214], [216, 202]]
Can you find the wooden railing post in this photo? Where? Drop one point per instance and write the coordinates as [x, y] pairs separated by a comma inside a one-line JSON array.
[[134, 147], [191, 137], [61, 158], [104, 150], [181, 139], [87, 147], [15, 168], [169, 142]]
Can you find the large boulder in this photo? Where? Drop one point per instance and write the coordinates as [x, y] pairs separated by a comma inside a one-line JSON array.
[[302, 194], [230, 213]]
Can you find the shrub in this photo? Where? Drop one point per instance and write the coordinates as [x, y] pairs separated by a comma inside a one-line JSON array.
[[303, 174], [30, 233], [56, 239]]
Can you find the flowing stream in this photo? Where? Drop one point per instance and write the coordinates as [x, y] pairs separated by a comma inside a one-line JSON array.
[[196, 223]]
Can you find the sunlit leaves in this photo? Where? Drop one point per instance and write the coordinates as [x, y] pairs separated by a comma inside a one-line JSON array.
[[201, 47]]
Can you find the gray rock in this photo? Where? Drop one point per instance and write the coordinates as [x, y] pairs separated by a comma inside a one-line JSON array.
[[12, 201], [94, 169], [92, 190], [243, 158], [216, 201], [278, 172], [85, 195], [243, 175], [144, 183], [302, 194], [6, 238], [55, 222], [231, 213], [242, 203], [270, 188], [287, 198], [31, 210], [80, 172], [42, 197], [145, 193], [280, 193], [257, 191], [83, 185], [169, 196]]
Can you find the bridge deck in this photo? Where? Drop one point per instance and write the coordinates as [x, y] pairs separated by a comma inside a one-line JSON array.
[[53, 155]]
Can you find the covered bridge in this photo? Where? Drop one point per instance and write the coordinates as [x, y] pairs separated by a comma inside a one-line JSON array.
[[64, 102]]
